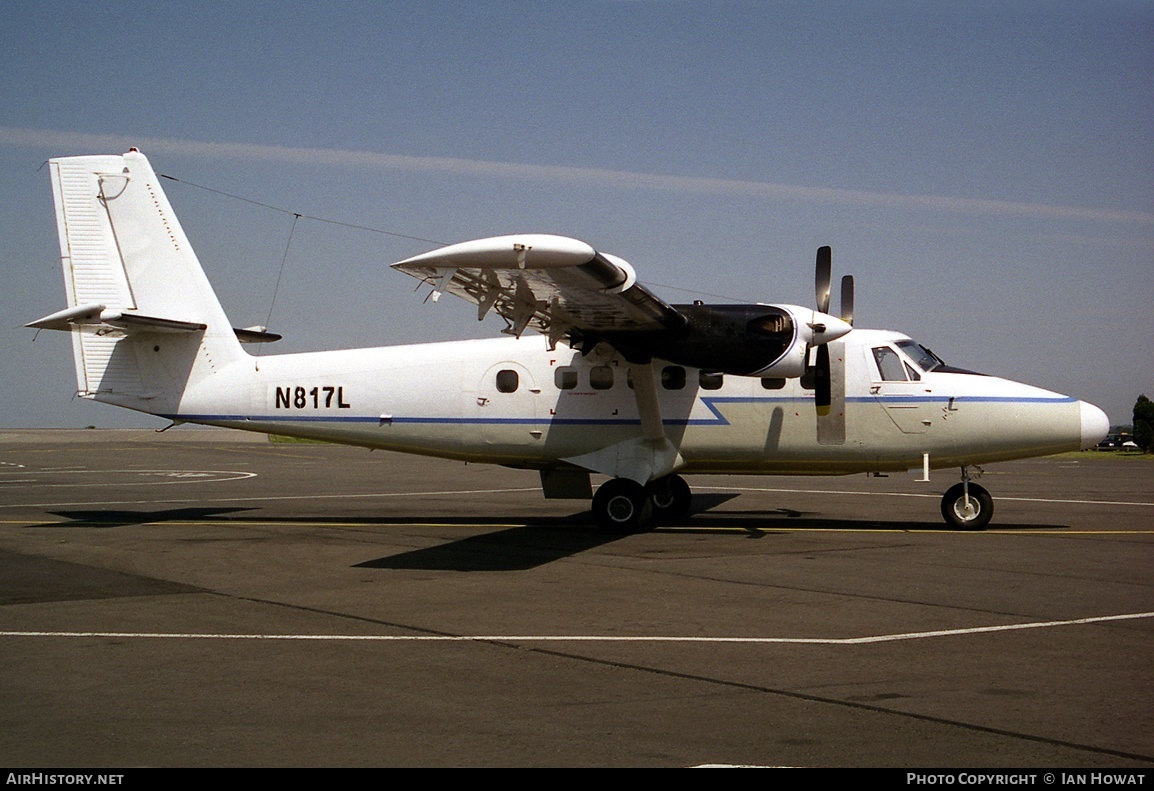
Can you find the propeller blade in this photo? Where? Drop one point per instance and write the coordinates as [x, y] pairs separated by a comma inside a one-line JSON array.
[[824, 269], [847, 299], [822, 395]]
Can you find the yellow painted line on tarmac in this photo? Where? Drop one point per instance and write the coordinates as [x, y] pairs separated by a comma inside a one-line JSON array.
[[275, 498], [778, 527], [1060, 532], [225, 522], [787, 524]]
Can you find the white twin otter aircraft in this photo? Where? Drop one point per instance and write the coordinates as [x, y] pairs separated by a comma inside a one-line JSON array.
[[612, 380]]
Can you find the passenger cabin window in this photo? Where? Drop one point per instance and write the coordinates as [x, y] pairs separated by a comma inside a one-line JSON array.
[[601, 377], [772, 383], [890, 366], [710, 381], [507, 381], [565, 378], [672, 377]]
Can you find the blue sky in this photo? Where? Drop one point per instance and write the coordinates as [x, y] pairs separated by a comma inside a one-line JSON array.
[[986, 170]]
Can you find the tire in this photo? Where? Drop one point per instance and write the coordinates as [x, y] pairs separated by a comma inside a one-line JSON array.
[[954, 507], [671, 499], [622, 506]]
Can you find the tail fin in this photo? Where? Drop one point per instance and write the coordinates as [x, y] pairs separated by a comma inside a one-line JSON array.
[[145, 322]]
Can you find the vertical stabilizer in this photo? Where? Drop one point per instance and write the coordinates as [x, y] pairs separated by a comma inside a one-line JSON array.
[[145, 322]]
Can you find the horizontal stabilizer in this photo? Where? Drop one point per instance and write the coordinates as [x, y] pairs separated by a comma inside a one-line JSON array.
[[98, 319], [68, 318], [256, 335], [101, 320]]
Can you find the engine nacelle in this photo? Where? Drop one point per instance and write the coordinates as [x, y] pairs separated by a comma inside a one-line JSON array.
[[746, 340]]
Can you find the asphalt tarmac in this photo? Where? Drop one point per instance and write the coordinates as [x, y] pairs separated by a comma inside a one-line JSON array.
[[207, 598]]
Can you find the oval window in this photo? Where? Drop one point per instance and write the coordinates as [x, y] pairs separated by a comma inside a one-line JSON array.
[[601, 377], [673, 377], [507, 381], [710, 381]]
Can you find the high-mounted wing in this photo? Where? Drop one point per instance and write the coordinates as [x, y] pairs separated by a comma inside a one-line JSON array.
[[564, 288], [552, 284]]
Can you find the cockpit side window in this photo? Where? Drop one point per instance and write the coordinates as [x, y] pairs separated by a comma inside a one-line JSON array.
[[890, 365], [922, 357]]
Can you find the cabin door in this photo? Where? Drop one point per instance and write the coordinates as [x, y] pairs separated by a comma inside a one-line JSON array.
[[508, 406], [899, 391]]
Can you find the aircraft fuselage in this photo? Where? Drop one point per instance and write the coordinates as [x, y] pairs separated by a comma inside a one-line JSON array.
[[514, 402]]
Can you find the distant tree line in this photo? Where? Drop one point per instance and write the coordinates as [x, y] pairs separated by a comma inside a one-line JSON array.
[[1144, 423]]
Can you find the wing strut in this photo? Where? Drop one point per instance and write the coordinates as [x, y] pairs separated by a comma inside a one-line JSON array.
[[648, 405], [641, 459]]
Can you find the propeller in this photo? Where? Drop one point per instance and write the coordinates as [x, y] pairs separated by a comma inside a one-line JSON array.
[[822, 394], [847, 299], [824, 268]]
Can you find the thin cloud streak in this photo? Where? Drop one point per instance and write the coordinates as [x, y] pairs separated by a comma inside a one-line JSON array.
[[599, 177]]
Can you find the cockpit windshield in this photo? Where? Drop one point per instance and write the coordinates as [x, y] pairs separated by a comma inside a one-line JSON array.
[[925, 359]]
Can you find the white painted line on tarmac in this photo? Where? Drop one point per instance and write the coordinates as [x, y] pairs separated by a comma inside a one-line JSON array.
[[352, 496], [202, 500], [513, 638], [155, 477], [998, 498], [1076, 502]]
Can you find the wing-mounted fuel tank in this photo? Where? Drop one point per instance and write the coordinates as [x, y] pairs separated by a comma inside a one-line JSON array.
[[746, 340]]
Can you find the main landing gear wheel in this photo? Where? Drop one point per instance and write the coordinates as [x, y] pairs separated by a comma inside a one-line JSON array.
[[622, 506], [671, 499], [976, 516]]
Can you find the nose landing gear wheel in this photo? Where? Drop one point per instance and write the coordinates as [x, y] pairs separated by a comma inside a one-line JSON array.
[[975, 516], [622, 506]]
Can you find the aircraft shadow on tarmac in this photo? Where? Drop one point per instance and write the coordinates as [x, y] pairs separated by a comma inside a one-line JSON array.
[[512, 549], [546, 540], [535, 543], [121, 518]]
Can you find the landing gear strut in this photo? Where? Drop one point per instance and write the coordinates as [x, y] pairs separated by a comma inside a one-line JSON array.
[[967, 506], [625, 506]]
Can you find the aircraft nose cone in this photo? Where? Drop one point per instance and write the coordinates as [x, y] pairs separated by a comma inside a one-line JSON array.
[[1095, 425]]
